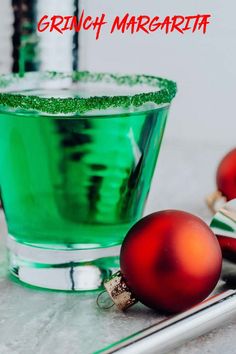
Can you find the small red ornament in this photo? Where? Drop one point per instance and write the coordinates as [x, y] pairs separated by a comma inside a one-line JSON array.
[[226, 175], [223, 225], [226, 182], [170, 261]]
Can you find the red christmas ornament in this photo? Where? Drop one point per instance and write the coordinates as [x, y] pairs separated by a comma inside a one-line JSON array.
[[170, 261], [226, 182], [226, 175], [228, 247], [223, 225]]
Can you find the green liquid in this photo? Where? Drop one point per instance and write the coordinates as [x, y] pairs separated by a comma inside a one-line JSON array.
[[76, 182]]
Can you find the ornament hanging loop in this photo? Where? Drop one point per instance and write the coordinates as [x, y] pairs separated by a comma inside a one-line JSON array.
[[104, 302], [117, 293]]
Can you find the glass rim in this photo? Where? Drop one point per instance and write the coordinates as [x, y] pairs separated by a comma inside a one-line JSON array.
[[162, 93]]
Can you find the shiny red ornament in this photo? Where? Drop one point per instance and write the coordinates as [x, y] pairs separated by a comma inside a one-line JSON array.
[[226, 175], [171, 260], [228, 247]]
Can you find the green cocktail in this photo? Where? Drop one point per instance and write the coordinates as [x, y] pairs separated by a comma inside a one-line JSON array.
[[77, 155]]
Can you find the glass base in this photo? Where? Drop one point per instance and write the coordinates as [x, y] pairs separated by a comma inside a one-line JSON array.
[[68, 270]]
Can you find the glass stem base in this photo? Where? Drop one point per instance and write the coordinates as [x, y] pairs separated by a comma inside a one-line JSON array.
[[68, 270]]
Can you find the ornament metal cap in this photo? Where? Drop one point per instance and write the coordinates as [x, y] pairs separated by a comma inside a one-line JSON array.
[[119, 291]]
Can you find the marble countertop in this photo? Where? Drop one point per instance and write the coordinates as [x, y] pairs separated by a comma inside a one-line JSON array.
[[37, 321]]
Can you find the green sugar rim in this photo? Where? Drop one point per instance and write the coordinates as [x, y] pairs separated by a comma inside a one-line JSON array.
[[163, 93]]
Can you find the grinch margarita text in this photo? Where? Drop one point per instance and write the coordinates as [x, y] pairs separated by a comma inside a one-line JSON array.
[[128, 23]]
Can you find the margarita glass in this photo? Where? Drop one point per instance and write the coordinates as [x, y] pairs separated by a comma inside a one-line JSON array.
[[77, 155]]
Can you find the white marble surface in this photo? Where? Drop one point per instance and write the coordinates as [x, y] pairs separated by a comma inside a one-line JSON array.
[[36, 321]]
